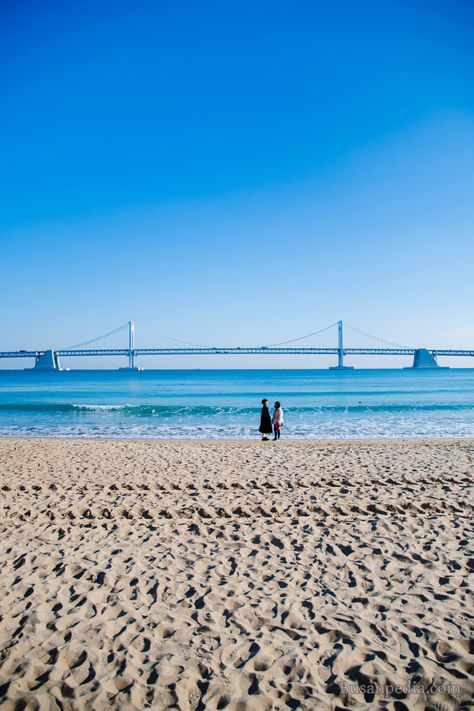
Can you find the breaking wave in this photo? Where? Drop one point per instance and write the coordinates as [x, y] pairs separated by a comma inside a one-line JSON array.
[[147, 410]]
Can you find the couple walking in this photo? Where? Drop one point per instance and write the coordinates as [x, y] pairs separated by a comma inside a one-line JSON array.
[[270, 424]]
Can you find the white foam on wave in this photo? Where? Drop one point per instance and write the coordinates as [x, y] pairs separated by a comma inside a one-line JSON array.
[[338, 428]]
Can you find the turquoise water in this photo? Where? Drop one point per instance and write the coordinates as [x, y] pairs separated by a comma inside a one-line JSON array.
[[226, 403]]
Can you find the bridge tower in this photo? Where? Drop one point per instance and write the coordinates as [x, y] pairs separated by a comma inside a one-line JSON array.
[[131, 348], [340, 350]]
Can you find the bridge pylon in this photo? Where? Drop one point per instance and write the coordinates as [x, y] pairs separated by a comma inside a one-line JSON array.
[[48, 360], [131, 348], [340, 350], [423, 359]]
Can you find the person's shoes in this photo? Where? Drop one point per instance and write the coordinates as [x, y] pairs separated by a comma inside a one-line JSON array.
[[264, 439], [275, 439]]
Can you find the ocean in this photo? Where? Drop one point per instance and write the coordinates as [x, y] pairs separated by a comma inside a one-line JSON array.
[[218, 404]]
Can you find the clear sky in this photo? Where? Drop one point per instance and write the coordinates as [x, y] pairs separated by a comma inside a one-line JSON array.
[[236, 172]]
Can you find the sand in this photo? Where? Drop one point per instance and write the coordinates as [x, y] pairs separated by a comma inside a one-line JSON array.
[[236, 575]]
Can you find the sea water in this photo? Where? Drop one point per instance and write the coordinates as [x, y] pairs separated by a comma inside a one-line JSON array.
[[208, 404]]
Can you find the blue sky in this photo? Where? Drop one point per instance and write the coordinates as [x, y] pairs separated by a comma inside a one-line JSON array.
[[236, 172]]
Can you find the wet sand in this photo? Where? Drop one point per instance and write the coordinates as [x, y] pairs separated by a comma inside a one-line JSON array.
[[236, 575]]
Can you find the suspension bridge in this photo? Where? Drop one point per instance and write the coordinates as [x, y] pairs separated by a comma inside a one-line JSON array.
[[51, 359]]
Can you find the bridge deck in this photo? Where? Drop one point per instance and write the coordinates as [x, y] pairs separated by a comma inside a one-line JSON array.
[[225, 350]]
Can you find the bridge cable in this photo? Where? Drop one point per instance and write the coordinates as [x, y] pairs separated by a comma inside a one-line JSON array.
[[177, 340], [375, 338], [94, 340], [301, 338]]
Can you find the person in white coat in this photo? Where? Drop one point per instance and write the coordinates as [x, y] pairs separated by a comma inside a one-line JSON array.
[[277, 420]]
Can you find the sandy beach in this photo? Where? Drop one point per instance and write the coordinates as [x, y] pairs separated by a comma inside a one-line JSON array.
[[236, 575]]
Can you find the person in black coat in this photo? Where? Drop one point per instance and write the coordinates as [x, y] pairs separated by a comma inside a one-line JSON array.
[[265, 421]]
